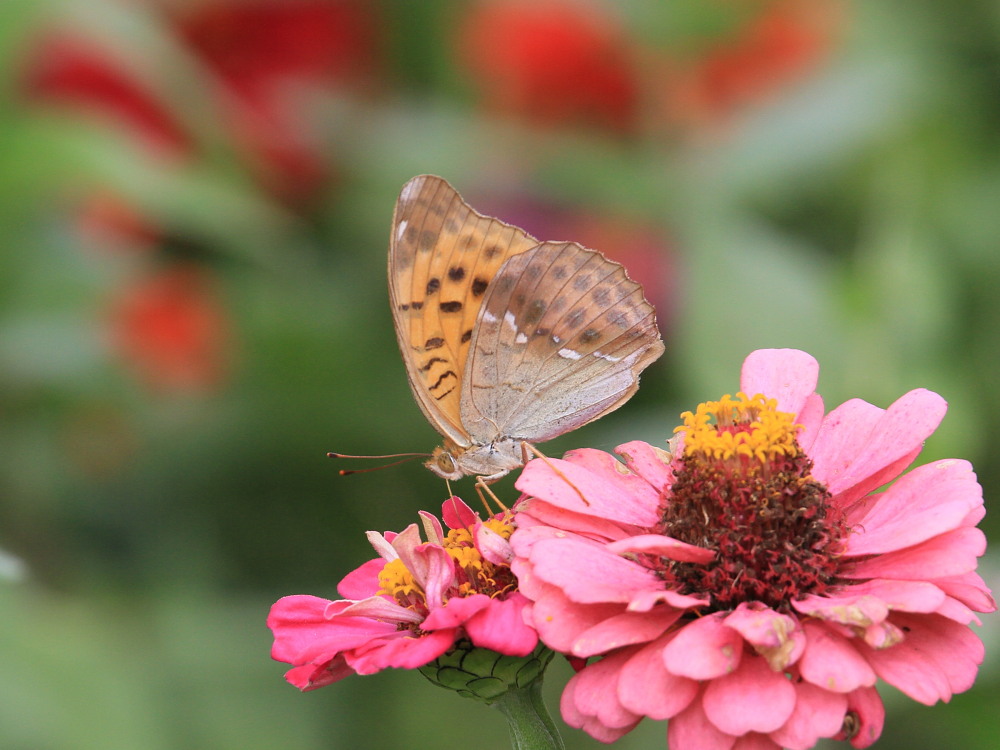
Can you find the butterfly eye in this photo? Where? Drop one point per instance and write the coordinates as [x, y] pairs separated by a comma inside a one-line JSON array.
[[445, 461]]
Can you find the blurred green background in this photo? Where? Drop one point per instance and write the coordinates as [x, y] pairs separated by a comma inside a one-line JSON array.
[[195, 198]]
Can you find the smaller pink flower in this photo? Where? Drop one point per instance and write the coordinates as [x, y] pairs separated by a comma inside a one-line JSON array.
[[410, 605], [753, 585]]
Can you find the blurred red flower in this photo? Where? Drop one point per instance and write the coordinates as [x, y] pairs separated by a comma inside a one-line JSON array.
[[272, 54], [270, 57], [784, 41], [172, 330], [553, 62], [80, 73]]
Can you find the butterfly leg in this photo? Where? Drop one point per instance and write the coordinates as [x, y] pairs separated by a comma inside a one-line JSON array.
[[481, 488], [527, 449]]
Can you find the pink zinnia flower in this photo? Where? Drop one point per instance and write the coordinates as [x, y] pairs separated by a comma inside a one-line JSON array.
[[411, 605], [753, 586]]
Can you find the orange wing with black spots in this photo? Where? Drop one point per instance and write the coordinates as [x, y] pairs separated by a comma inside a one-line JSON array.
[[443, 256]]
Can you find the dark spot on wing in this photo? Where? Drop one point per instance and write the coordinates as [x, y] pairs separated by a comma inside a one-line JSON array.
[[534, 270], [433, 285], [466, 336], [411, 235], [417, 304], [619, 318], [433, 343], [492, 251], [559, 272], [589, 336], [534, 312], [427, 240], [575, 318], [558, 304], [505, 284], [583, 283], [452, 226], [479, 286], [456, 273], [451, 307], [602, 296], [469, 242]]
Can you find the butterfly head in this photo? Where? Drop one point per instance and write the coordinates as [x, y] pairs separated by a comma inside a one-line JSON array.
[[442, 462]]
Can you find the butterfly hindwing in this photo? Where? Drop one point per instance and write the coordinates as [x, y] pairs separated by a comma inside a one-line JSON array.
[[561, 338], [443, 257]]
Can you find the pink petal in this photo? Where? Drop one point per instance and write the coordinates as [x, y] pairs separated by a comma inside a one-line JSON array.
[[376, 608], [649, 462], [501, 627], [625, 629], [538, 511], [433, 530], [841, 438], [588, 573], [646, 688], [895, 438], [402, 653], [754, 698], [754, 741], [811, 419], [457, 515], [614, 471], [865, 708], [787, 375], [704, 649], [691, 730], [953, 553], [595, 694], [362, 582], [817, 714], [455, 612], [580, 719], [559, 621], [845, 608], [603, 497], [955, 650], [311, 677], [927, 501], [832, 662], [643, 601], [970, 589], [492, 546], [774, 636], [433, 569], [664, 546], [303, 632], [905, 596]]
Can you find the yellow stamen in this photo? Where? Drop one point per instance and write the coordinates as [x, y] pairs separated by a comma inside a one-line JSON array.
[[740, 426]]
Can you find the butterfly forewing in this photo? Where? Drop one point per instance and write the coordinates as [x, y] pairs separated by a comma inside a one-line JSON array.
[[561, 338], [443, 257]]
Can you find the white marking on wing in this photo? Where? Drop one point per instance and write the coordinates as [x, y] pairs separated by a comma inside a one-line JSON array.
[[508, 318], [400, 229], [489, 317], [608, 357], [569, 354], [520, 338]]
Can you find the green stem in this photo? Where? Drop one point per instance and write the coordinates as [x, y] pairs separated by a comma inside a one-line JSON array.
[[531, 727]]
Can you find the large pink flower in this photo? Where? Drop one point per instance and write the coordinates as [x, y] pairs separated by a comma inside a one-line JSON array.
[[753, 586], [410, 605]]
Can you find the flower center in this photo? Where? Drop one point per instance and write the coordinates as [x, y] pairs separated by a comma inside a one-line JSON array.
[[473, 574], [743, 488]]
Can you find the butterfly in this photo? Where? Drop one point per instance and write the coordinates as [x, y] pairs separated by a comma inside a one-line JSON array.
[[507, 340]]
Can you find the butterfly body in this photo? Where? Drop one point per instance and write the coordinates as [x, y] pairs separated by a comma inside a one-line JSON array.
[[506, 339]]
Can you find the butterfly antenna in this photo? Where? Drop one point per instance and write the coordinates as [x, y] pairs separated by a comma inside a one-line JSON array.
[[403, 458]]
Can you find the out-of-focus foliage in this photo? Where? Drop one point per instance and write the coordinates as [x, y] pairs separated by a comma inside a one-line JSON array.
[[195, 199]]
